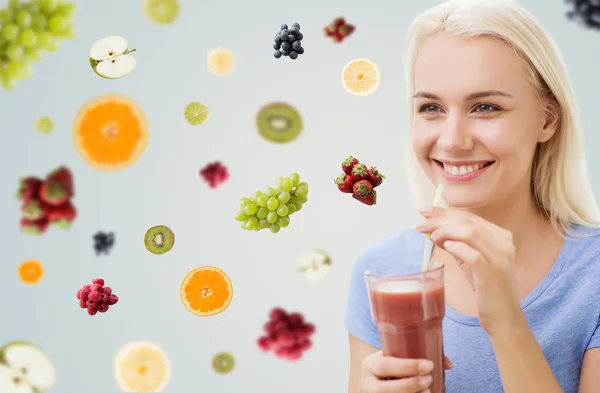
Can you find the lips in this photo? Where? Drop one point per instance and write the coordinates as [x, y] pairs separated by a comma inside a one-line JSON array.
[[463, 168]]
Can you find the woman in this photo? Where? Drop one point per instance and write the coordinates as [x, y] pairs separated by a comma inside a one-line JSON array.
[[494, 120]]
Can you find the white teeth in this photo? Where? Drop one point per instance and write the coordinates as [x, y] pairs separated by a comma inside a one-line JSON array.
[[462, 170]]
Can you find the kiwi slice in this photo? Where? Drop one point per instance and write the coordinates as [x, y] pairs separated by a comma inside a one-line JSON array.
[[223, 362], [159, 239], [279, 122]]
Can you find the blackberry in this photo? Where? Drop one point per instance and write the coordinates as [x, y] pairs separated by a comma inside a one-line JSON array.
[[103, 242], [286, 46], [296, 45], [585, 12], [276, 46], [277, 54], [293, 55]]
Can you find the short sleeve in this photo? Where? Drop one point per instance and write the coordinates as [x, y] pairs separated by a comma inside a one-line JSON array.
[[595, 341], [359, 320]]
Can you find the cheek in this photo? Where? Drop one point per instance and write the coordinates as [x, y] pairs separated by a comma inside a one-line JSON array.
[[423, 138], [508, 141]]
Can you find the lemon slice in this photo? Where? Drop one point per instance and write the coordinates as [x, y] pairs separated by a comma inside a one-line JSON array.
[[220, 61], [361, 77], [195, 113], [162, 12], [142, 366]]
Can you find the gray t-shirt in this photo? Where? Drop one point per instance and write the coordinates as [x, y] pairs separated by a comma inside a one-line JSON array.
[[563, 312]]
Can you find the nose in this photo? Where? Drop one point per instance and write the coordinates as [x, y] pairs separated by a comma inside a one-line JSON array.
[[454, 135]]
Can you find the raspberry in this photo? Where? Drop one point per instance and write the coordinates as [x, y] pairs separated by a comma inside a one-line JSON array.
[[112, 299], [107, 290], [281, 326], [309, 328], [92, 311], [277, 314], [78, 293], [263, 343], [286, 338], [269, 327], [95, 287], [98, 281], [103, 308], [92, 304], [214, 174], [296, 319], [306, 345], [103, 297], [82, 304], [293, 355], [84, 294], [87, 286], [94, 296]]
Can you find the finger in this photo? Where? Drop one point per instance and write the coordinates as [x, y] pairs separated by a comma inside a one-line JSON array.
[[465, 253], [387, 366], [430, 211], [473, 236], [448, 364], [404, 385]]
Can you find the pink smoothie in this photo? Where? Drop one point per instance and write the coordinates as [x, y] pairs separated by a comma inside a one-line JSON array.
[[409, 315]]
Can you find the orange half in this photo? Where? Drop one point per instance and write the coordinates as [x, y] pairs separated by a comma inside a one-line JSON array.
[[206, 291], [110, 132]]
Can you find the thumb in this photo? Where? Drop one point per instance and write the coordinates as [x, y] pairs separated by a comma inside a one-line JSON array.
[[448, 364]]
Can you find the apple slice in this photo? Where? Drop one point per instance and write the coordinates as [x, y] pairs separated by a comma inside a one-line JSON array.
[[110, 57], [28, 363], [11, 381], [314, 264]]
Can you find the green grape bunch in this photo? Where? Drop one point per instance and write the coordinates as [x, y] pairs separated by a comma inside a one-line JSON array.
[[273, 207], [28, 27]]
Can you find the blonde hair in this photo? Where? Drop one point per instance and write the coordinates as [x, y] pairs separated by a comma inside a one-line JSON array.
[[559, 179]]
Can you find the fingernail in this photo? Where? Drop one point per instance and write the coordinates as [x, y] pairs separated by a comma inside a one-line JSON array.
[[425, 381], [420, 225], [447, 243], [426, 366], [425, 210], [450, 364]]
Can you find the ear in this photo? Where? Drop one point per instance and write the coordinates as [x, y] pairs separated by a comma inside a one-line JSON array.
[[551, 117]]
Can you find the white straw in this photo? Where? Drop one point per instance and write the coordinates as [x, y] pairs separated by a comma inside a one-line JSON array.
[[426, 253]]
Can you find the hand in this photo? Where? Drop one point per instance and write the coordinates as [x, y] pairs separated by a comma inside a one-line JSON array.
[[485, 253], [407, 376]]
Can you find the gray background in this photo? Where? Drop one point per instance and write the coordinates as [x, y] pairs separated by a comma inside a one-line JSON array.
[[163, 187]]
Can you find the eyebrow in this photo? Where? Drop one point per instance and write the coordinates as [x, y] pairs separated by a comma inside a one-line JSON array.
[[472, 96]]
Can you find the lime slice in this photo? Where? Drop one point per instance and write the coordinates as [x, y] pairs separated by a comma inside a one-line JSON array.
[[195, 113], [44, 125], [162, 12]]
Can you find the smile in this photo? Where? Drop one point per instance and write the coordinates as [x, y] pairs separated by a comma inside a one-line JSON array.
[[463, 171]]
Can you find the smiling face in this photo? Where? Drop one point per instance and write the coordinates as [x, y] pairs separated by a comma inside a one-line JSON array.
[[474, 106]]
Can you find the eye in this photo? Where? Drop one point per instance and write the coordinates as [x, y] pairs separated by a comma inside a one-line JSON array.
[[428, 108], [486, 108]]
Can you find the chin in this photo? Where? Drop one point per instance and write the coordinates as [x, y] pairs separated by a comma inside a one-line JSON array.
[[466, 198]]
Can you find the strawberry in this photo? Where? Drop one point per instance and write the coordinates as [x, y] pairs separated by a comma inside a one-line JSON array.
[[362, 188], [34, 227], [34, 209], [348, 164], [346, 30], [345, 183], [53, 193], [62, 216], [327, 31], [375, 177], [337, 37], [370, 199], [64, 177], [29, 188], [359, 172], [337, 23]]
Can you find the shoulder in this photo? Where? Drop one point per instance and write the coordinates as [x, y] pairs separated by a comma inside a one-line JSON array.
[[582, 254], [391, 250]]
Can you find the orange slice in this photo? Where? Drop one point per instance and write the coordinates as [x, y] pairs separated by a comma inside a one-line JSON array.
[[110, 132], [361, 77], [141, 366], [220, 61], [206, 291], [31, 272]]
